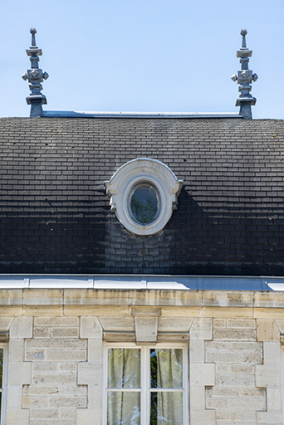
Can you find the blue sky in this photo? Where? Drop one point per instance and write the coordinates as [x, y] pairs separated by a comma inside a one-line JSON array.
[[142, 55]]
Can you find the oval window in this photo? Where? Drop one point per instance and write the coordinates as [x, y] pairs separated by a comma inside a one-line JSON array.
[[144, 204], [143, 193]]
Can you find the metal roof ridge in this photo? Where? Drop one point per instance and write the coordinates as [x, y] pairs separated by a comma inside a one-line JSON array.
[[82, 114]]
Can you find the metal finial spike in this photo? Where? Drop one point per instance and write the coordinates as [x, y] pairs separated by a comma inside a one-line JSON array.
[[33, 32], [35, 76], [244, 33], [244, 78]]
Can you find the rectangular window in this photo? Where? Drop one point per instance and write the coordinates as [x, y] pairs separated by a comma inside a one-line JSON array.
[[146, 385]]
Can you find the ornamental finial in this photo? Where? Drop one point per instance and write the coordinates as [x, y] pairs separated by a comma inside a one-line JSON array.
[[244, 33], [244, 78], [35, 76], [33, 33]]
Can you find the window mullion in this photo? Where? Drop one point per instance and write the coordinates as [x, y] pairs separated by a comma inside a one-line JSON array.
[[144, 386]]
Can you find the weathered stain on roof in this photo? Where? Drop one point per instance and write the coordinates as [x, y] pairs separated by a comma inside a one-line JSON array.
[[55, 215]]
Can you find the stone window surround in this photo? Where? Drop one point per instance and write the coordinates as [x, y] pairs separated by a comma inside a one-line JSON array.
[[4, 345], [147, 371], [14, 330], [269, 375], [149, 171], [148, 328]]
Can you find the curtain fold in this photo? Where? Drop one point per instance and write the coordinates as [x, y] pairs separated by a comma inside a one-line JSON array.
[[166, 372], [123, 373]]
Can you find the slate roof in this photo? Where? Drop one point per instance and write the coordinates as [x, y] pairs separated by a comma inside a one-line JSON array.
[[55, 215]]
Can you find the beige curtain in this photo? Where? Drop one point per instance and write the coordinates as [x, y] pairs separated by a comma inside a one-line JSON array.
[[123, 373], [167, 406]]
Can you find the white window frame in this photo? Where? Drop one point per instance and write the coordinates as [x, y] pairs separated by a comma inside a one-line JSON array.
[[145, 378], [3, 390]]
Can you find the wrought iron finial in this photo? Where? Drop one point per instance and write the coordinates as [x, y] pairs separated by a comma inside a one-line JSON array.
[[33, 32], [244, 33], [35, 77], [244, 78]]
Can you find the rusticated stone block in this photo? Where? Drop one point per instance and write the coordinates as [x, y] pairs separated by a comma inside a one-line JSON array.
[[56, 344], [32, 390], [17, 416], [217, 346], [41, 332], [271, 352], [219, 323], [19, 373], [226, 357], [90, 328], [57, 321], [196, 351], [201, 329], [16, 350], [65, 401], [267, 375], [66, 355], [241, 323], [35, 355], [267, 330], [64, 332], [44, 414], [34, 402], [95, 350], [274, 399], [89, 373], [274, 418], [22, 327], [5, 323], [202, 374], [234, 334], [88, 416], [198, 417], [231, 379], [14, 397], [54, 379], [197, 398], [95, 397]]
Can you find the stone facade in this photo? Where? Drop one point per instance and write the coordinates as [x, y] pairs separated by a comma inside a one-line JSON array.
[[57, 337]]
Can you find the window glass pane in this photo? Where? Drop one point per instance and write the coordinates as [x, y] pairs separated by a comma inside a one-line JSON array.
[[166, 408], [1, 366], [123, 368], [123, 408], [166, 368], [144, 204]]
